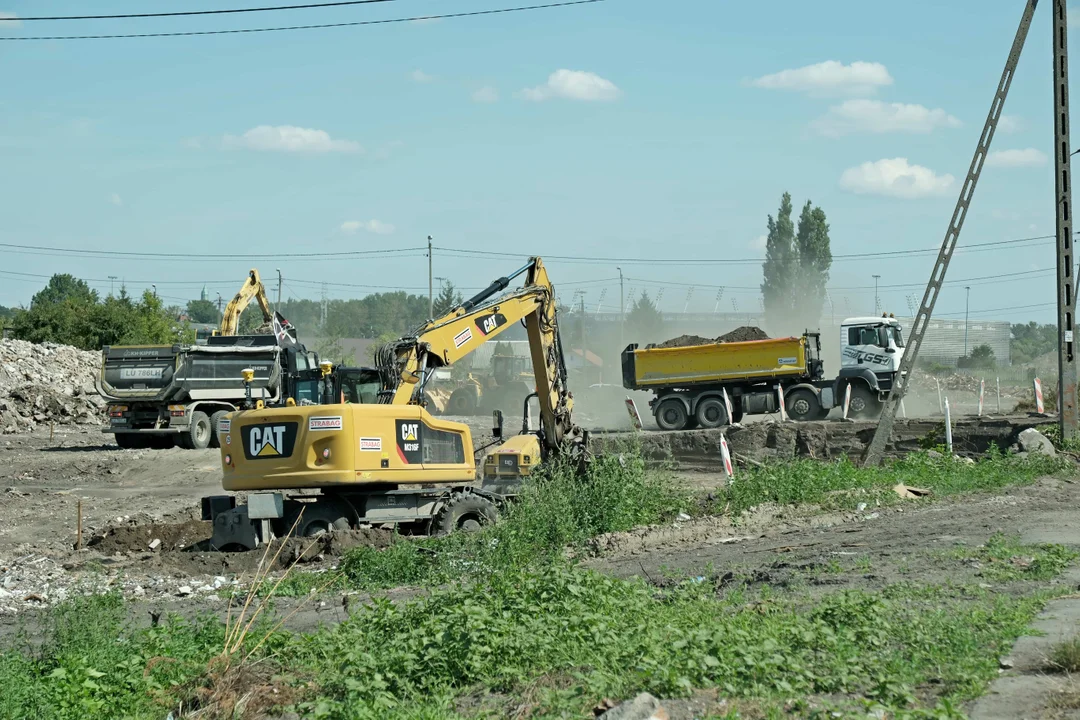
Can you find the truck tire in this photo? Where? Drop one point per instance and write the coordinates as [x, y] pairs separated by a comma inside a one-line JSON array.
[[864, 403], [468, 512], [802, 405], [711, 413], [215, 419], [315, 518], [198, 434], [671, 414]]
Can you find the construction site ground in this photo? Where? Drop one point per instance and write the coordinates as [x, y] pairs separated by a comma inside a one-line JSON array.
[[130, 499]]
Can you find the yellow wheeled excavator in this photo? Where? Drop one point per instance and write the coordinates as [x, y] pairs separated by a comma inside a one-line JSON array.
[[390, 462]]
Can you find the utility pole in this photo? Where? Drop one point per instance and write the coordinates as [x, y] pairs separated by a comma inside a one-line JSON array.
[[877, 302], [719, 297], [112, 279], [967, 305], [875, 452], [277, 307], [219, 305], [430, 282], [622, 311], [1066, 290], [686, 305]]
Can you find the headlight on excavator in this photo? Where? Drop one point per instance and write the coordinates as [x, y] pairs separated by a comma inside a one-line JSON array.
[[228, 460], [326, 453]]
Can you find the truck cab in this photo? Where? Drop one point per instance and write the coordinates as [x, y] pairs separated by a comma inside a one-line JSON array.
[[871, 349]]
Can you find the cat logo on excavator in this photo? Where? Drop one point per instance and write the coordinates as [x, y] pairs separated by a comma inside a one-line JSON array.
[[269, 441]]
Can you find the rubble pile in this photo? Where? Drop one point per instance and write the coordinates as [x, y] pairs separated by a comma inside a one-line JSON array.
[[47, 383], [739, 334]]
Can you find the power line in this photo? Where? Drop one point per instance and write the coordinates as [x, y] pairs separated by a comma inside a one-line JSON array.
[[974, 247], [222, 256], [204, 12], [444, 16]]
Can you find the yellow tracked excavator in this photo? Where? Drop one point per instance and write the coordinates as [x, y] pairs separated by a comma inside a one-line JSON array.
[[390, 462], [251, 290]]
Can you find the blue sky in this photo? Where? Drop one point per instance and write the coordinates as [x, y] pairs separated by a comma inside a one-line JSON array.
[[622, 129]]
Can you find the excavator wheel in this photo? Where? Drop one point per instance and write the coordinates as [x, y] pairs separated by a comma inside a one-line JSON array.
[[466, 511], [462, 402], [215, 439]]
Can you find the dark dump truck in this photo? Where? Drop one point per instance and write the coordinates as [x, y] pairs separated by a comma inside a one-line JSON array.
[[161, 394]]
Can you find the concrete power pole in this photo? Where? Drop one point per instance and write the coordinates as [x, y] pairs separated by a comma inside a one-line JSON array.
[[277, 307], [877, 302], [967, 305], [430, 282], [622, 311]]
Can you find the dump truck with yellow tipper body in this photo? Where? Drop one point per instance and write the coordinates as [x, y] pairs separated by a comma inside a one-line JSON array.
[[696, 384]]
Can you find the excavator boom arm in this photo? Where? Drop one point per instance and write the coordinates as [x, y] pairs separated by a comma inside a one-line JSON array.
[[253, 288], [407, 363]]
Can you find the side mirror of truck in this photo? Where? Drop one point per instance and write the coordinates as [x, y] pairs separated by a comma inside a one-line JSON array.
[[497, 423]]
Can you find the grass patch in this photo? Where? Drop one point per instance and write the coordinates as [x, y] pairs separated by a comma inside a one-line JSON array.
[[1065, 656], [1005, 559]]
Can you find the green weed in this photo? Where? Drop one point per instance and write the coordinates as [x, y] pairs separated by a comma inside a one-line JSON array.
[[1004, 558]]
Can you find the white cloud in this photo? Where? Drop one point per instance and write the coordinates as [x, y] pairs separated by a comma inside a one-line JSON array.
[[1028, 157], [419, 76], [1010, 124], [9, 21], [759, 243], [573, 85], [288, 138], [116, 200], [874, 116], [377, 227], [895, 178], [829, 78], [486, 94]]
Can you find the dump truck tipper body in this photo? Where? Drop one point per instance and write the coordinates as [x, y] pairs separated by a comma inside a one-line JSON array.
[[184, 390], [697, 384]]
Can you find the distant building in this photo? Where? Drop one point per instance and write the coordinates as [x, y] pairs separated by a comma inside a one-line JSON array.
[[204, 295]]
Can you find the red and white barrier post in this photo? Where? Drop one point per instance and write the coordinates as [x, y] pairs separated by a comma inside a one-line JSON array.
[[631, 407], [847, 400], [1039, 407], [982, 395], [729, 469], [783, 407], [948, 428], [727, 404]]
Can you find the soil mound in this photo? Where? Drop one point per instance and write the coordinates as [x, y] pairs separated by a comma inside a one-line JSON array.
[[740, 334]]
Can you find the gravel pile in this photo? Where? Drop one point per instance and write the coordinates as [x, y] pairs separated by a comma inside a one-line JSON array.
[[740, 334], [47, 383]]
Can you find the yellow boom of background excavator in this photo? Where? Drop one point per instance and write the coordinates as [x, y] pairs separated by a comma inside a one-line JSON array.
[[252, 289], [391, 462]]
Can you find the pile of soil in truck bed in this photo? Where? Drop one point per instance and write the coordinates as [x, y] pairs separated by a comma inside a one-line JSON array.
[[741, 334]]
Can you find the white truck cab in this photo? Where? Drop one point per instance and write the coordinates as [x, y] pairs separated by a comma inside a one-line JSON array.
[[871, 349]]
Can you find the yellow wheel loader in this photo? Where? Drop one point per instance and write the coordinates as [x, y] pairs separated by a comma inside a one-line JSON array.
[[391, 462]]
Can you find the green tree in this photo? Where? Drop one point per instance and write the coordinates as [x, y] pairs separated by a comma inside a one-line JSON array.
[[981, 357], [781, 263], [1031, 340], [447, 299], [644, 321], [203, 311], [59, 313], [814, 261]]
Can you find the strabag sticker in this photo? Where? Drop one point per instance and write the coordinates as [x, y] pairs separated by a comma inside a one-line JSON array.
[[372, 444], [224, 425], [325, 423], [462, 337]]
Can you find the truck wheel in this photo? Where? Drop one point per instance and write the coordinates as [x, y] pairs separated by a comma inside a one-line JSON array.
[[316, 518], [671, 415], [802, 405], [215, 419], [711, 413], [198, 434], [864, 403], [468, 512]]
